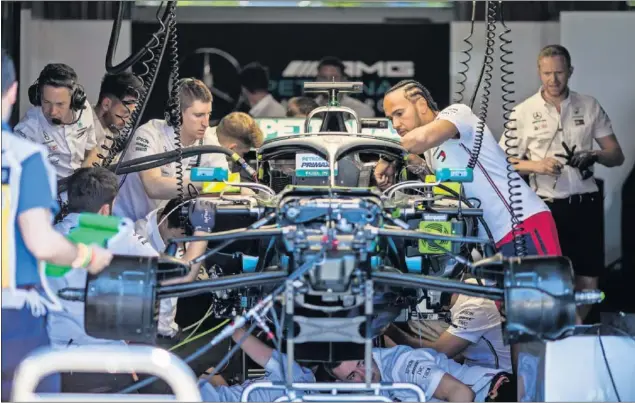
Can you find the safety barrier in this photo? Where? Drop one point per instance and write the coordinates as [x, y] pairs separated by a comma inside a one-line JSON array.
[[104, 359]]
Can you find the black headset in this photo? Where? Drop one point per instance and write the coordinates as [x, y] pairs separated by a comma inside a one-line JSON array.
[[58, 75], [173, 107]]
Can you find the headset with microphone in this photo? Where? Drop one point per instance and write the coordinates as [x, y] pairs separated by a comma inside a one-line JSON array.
[[59, 75]]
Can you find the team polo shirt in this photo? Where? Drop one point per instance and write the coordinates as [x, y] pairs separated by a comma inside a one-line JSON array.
[[67, 144], [425, 367], [156, 137], [541, 130]]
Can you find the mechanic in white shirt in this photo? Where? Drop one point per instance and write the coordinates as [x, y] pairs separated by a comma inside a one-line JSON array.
[[275, 365], [441, 378], [90, 190], [61, 118], [332, 69], [475, 334], [254, 81], [547, 124], [117, 101], [143, 192], [446, 138]]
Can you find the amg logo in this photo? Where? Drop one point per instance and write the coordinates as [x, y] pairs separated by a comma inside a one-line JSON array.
[[394, 69]]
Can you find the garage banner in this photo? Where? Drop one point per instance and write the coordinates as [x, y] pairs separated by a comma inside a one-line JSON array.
[[380, 55]]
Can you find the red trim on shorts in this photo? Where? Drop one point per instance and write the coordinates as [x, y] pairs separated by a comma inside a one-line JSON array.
[[541, 227]]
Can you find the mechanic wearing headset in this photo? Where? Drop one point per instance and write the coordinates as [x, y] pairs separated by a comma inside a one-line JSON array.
[[143, 192], [438, 376], [28, 237], [333, 69], [275, 365], [446, 139], [61, 118], [116, 102], [555, 130], [254, 82], [474, 334]]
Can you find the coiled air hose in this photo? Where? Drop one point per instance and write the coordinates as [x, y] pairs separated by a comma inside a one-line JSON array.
[[466, 62], [148, 77], [513, 178], [114, 40], [514, 195], [487, 82], [173, 112]]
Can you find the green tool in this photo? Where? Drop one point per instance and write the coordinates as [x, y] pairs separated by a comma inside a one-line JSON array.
[[91, 229]]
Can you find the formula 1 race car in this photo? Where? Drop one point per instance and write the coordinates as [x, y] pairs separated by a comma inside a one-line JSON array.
[[332, 263]]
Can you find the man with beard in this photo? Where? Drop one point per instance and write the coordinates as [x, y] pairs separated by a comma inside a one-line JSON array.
[[116, 102], [446, 138]]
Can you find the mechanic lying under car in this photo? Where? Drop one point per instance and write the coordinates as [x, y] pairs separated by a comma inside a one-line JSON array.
[[275, 365], [438, 376]]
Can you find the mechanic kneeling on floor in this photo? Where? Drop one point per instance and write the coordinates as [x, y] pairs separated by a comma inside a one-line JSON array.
[[143, 192], [475, 334], [93, 190], [90, 190]]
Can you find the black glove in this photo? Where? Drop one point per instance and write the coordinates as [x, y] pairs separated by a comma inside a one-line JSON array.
[[202, 215], [582, 160]]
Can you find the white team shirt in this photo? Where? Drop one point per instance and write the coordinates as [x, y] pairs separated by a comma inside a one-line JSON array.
[[67, 144], [425, 367], [581, 121], [148, 228], [268, 107], [156, 137], [273, 373], [490, 183], [478, 321], [67, 325]]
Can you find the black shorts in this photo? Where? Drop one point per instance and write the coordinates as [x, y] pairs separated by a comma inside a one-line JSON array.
[[580, 223]]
